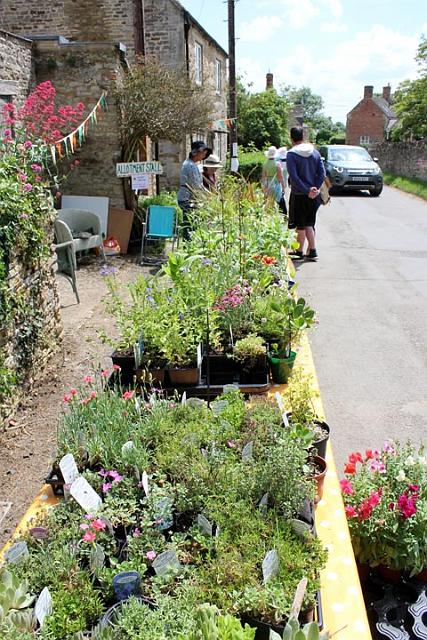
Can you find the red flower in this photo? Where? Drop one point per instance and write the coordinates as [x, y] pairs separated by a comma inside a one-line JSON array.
[[365, 510], [414, 488], [128, 395], [406, 505], [350, 511], [356, 457], [350, 468], [375, 498], [346, 487], [391, 506], [369, 454]]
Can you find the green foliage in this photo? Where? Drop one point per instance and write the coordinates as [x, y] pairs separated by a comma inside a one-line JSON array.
[[248, 350], [410, 102], [250, 164], [210, 625], [15, 602], [293, 631], [411, 185], [263, 118]]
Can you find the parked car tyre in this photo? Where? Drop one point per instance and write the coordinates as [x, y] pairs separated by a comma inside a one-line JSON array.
[[375, 192]]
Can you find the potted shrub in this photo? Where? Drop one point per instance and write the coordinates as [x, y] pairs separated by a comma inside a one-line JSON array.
[[385, 495], [250, 353]]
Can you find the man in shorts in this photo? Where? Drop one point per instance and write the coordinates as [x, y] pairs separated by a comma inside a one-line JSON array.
[[306, 175]]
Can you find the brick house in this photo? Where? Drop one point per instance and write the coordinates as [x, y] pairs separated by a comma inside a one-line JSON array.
[[372, 119], [82, 47]]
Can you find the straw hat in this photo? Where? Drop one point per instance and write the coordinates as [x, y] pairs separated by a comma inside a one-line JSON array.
[[271, 153], [213, 162]]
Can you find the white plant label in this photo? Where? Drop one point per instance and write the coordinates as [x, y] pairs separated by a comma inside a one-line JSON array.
[[299, 597], [184, 398], [302, 529], [247, 451], [144, 482], [204, 524], [165, 562], [127, 446], [17, 552], [85, 495], [263, 503], [281, 405], [43, 606], [68, 467], [270, 565]]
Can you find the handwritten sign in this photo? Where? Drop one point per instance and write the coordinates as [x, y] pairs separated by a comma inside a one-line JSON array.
[[126, 169], [43, 606], [270, 565], [68, 467], [140, 181], [85, 495], [166, 562]]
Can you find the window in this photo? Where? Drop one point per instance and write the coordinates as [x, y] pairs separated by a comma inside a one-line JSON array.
[[198, 63], [218, 78], [364, 140]]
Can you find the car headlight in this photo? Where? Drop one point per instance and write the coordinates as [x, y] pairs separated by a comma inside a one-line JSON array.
[[338, 169], [376, 171]]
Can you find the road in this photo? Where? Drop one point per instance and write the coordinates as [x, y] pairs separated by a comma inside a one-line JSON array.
[[369, 288]]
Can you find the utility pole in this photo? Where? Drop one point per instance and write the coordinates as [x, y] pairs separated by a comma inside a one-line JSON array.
[[232, 83]]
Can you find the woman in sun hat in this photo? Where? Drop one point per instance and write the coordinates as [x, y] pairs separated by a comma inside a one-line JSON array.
[[210, 166], [272, 177], [281, 159], [191, 181]]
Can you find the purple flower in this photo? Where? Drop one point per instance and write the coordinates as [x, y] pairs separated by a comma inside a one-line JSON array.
[[105, 270], [377, 465], [24, 216], [36, 168], [7, 133], [115, 475], [150, 555], [103, 473], [389, 448], [106, 487], [28, 187], [136, 533], [28, 144], [206, 262]]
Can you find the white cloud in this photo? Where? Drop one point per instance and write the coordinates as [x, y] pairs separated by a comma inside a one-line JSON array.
[[333, 27], [335, 7], [296, 13], [260, 28]]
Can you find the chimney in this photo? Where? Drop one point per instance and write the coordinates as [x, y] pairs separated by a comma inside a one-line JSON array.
[[269, 85], [369, 91], [387, 93]]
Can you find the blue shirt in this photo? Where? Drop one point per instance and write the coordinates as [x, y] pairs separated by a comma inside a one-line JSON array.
[[190, 181], [305, 169]]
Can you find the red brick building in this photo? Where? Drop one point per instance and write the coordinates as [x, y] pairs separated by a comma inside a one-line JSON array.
[[372, 119]]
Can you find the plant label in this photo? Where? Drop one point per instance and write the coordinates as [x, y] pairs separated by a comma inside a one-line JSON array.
[[43, 606], [195, 402], [68, 467], [247, 451], [85, 495], [300, 528], [218, 407], [230, 388], [204, 525], [96, 558], [299, 597], [184, 398], [127, 446], [263, 503], [199, 355], [144, 482], [17, 552], [281, 405], [205, 453], [166, 562], [270, 565]]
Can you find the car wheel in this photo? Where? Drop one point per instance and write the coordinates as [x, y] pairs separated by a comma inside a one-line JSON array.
[[376, 192]]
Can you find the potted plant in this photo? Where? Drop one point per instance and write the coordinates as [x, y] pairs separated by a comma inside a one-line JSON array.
[[385, 495], [250, 353]]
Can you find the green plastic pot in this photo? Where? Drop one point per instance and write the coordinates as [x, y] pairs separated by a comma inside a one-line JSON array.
[[281, 368]]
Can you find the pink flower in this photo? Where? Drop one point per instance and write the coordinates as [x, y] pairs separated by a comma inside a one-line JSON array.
[[375, 498], [28, 187], [88, 379], [67, 398], [389, 448], [116, 367], [406, 505], [350, 511], [377, 465], [36, 168], [93, 394], [38, 178], [231, 444], [105, 373], [137, 533], [84, 526], [22, 177], [89, 516], [24, 216], [128, 395], [28, 144], [150, 555], [7, 133], [73, 392], [89, 536], [103, 473], [115, 475], [391, 506], [98, 524], [106, 487], [346, 487]]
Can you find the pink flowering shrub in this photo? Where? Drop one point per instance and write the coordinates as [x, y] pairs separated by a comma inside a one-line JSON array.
[[385, 496]]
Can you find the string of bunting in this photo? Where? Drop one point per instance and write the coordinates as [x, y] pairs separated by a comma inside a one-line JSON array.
[[75, 139]]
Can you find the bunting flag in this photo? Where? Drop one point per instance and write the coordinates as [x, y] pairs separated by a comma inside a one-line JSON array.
[[75, 139], [223, 124]]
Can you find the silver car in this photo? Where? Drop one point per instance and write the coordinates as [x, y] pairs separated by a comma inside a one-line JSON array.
[[351, 169]]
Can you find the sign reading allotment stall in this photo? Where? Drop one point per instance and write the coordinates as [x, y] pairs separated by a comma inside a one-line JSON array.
[[126, 169]]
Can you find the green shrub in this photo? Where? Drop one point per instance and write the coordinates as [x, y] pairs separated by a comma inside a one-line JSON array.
[[411, 185], [250, 165]]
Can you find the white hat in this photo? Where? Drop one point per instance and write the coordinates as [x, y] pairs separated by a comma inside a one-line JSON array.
[[213, 162], [271, 153], [281, 153]]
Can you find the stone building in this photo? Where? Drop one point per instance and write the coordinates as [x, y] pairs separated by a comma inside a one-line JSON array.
[[82, 45], [16, 68], [372, 119]]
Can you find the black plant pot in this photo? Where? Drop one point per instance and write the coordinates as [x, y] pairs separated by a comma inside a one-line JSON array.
[[320, 445], [256, 374], [222, 369], [126, 362], [56, 481], [262, 628]]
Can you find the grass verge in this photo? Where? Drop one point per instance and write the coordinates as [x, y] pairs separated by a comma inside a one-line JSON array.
[[410, 185]]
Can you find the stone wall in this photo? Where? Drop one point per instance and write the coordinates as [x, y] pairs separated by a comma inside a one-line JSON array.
[[407, 159], [28, 345], [81, 71], [16, 68]]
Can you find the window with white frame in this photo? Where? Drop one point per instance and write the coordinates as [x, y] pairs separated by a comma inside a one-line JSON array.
[[364, 140], [198, 63], [218, 77]]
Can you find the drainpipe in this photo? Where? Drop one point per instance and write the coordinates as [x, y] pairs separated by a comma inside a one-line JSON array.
[[139, 26]]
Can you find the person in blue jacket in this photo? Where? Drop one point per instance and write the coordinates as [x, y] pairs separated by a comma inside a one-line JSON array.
[[306, 175]]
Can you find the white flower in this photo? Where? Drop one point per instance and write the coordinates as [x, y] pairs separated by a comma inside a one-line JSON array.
[[410, 461], [422, 460], [401, 475]]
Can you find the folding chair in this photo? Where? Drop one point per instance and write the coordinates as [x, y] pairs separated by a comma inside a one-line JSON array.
[[65, 254], [161, 224]]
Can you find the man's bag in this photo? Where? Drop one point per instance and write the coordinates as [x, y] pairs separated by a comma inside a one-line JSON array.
[[325, 198]]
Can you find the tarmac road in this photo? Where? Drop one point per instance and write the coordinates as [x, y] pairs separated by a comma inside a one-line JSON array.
[[369, 288]]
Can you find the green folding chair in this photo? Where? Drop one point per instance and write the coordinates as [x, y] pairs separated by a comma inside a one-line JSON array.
[[161, 224], [65, 254]]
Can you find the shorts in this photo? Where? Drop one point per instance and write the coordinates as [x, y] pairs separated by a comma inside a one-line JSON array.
[[302, 211]]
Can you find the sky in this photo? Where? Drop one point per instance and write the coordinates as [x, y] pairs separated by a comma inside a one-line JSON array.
[[335, 47]]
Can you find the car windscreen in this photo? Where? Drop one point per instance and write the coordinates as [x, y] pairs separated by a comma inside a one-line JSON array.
[[348, 155]]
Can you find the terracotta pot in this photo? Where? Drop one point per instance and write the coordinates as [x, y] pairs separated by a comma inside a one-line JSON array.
[[390, 575], [184, 377], [319, 477], [150, 376]]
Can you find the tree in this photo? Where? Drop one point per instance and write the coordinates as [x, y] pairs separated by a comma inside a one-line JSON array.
[[161, 103], [263, 118], [410, 101], [312, 104]]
